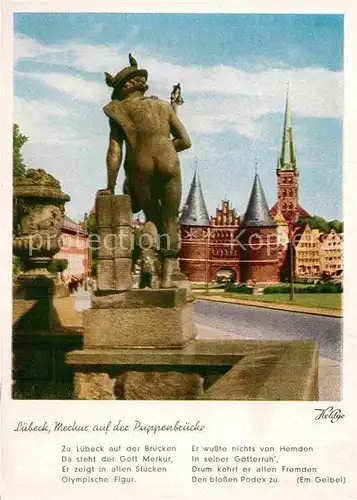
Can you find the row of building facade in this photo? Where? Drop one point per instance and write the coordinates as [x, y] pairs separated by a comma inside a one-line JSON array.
[[318, 253], [74, 249]]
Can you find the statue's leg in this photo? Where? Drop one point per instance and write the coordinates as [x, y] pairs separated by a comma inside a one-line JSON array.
[[148, 199], [150, 275], [170, 204], [145, 190], [112, 175], [170, 237]]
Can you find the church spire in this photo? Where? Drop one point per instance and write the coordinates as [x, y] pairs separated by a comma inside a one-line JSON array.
[[194, 212], [287, 160]]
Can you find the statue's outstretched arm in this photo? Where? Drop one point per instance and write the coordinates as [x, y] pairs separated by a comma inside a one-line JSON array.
[[181, 139], [114, 154]]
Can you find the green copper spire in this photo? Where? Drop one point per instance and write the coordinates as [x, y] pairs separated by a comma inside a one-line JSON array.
[[287, 160]]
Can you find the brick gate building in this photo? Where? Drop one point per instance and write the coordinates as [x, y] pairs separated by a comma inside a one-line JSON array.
[[209, 245]]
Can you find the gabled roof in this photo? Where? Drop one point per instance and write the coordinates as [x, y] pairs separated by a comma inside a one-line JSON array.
[[194, 212], [278, 216], [301, 212], [257, 212]]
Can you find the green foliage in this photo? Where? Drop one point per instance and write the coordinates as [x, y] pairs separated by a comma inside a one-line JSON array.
[[316, 222], [58, 265], [320, 300], [91, 224], [276, 289], [18, 166], [17, 265], [336, 225], [238, 289], [17, 159], [94, 266], [319, 288]]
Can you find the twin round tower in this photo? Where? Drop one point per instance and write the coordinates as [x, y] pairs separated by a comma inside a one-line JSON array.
[[252, 248]]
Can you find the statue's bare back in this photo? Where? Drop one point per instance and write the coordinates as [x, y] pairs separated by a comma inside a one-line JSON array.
[[154, 150]]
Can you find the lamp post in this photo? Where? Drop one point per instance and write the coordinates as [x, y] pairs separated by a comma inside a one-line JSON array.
[[207, 257], [291, 294], [175, 101], [176, 97]]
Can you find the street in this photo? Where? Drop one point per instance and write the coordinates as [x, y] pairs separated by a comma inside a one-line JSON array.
[[257, 323], [265, 324]]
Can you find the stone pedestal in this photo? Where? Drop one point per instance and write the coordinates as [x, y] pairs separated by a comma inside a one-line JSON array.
[[243, 370], [38, 362], [38, 219], [123, 317], [140, 318], [33, 301], [114, 221]]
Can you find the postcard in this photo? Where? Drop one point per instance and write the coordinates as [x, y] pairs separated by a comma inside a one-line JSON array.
[[179, 318]]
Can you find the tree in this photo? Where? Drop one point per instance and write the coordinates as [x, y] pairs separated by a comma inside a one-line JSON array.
[[91, 223], [18, 170], [302, 221], [18, 165], [315, 222], [58, 266], [336, 225], [17, 266]]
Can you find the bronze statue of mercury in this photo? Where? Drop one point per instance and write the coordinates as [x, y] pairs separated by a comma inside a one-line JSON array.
[[153, 136]]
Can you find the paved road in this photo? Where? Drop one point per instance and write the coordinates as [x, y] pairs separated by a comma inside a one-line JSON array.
[[260, 324], [266, 324]]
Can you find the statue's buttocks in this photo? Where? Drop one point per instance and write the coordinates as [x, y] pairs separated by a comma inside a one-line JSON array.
[[154, 149]]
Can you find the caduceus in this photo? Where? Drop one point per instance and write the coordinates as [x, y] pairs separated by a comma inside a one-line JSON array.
[[176, 97], [175, 101]]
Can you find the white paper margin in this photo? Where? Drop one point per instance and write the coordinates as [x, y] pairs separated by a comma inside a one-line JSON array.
[[30, 461]]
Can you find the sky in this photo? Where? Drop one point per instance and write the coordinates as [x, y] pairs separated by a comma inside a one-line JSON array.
[[233, 70]]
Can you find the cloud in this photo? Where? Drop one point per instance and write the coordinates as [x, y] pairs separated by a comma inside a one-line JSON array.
[[27, 48], [218, 98], [41, 120], [80, 56], [75, 87], [268, 86]]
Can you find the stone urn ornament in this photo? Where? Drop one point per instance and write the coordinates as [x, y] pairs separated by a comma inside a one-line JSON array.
[[39, 205]]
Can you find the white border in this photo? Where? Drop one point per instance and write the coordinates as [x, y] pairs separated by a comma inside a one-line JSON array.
[[273, 422]]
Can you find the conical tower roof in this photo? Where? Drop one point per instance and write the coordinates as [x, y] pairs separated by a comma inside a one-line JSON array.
[[194, 212], [287, 160], [257, 213]]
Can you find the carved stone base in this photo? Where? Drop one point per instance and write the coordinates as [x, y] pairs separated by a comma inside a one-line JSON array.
[[204, 370], [54, 314], [33, 297], [138, 385], [35, 286], [140, 318]]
